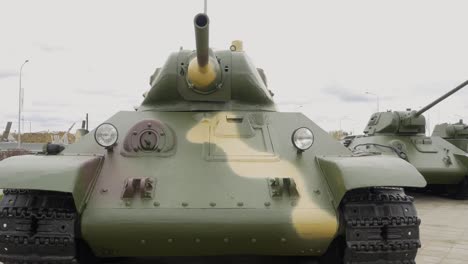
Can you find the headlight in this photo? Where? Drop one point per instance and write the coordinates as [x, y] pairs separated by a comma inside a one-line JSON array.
[[106, 135], [302, 138]]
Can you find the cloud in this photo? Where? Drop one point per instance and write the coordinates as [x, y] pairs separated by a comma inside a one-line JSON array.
[[101, 92], [7, 73], [344, 94], [294, 101], [438, 87], [50, 48], [48, 121], [50, 104]]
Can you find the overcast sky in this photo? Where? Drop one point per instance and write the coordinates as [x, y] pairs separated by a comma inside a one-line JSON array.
[[320, 57]]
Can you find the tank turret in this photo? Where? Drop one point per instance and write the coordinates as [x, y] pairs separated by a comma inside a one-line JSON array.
[[457, 134], [404, 122], [448, 131], [207, 80]]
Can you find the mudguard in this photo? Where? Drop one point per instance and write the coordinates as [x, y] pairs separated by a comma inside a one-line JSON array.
[[347, 173], [463, 159], [70, 174]]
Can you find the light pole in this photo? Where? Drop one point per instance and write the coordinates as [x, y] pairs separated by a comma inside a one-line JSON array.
[[20, 103], [378, 99]]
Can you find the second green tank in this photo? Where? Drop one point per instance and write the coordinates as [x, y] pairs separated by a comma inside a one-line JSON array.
[[402, 134], [457, 134]]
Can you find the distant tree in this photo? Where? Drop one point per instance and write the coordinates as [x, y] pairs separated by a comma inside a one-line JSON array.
[[339, 134], [42, 137], [13, 152]]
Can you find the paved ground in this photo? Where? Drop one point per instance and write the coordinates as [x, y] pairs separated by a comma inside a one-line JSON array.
[[444, 230]]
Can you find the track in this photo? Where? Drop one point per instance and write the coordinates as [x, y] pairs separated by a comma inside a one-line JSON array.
[[382, 227], [37, 227]]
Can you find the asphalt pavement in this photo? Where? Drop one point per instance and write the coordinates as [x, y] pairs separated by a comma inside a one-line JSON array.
[[444, 230]]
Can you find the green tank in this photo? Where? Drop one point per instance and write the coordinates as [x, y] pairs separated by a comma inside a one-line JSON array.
[[206, 166], [402, 134], [457, 134]]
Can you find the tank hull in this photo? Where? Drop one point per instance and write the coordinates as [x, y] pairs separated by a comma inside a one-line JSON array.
[[459, 143], [435, 158], [219, 183], [214, 186]]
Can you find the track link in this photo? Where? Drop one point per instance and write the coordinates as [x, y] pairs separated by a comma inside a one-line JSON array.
[[381, 227], [37, 227]]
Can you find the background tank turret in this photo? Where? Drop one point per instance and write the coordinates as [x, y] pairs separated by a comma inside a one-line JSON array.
[[206, 166], [402, 133], [456, 133]]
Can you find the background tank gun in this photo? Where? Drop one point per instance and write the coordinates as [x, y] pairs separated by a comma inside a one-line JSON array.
[[404, 122]]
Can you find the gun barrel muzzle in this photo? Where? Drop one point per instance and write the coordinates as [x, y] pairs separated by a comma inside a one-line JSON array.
[[201, 23]]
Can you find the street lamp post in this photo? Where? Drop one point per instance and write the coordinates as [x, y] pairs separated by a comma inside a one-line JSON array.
[[20, 104], [378, 99]]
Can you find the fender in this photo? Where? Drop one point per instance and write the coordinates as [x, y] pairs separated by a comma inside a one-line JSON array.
[[463, 159], [72, 174], [347, 173]]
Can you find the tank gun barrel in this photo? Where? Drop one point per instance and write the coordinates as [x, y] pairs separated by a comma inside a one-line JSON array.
[[203, 69], [201, 22], [440, 99]]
